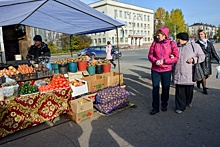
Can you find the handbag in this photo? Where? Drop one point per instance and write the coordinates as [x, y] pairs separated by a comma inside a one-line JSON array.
[[198, 73]]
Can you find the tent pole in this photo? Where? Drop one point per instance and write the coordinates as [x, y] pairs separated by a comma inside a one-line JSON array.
[[119, 70], [71, 36]]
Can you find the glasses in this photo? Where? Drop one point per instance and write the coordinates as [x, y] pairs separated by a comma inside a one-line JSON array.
[[201, 34]]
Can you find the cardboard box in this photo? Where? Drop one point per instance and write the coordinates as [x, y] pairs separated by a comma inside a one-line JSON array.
[[81, 108], [81, 104], [112, 78], [79, 90], [95, 82], [78, 117]]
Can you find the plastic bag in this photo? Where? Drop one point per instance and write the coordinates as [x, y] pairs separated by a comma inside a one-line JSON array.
[[218, 72], [40, 83], [10, 87]]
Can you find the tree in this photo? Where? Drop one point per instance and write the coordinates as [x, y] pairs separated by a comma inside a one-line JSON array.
[[177, 23], [167, 20], [78, 42], [218, 33], [53, 48], [160, 16]]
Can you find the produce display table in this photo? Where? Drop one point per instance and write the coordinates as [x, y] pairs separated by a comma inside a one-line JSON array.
[[27, 111]]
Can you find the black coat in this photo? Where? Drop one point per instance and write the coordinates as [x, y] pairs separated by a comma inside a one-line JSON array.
[[34, 53], [210, 53]]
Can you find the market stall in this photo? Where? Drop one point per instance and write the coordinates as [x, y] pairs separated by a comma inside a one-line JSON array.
[[45, 101]]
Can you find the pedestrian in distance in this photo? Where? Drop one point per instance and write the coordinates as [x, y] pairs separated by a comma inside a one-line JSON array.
[[209, 52], [108, 53], [160, 56], [190, 54]]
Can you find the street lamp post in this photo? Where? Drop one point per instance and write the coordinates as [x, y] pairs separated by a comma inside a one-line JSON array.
[[133, 40]]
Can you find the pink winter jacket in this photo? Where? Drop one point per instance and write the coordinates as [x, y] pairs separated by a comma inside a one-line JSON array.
[[162, 51]]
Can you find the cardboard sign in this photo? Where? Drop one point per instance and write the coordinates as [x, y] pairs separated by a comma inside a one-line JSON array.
[[77, 75], [85, 73]]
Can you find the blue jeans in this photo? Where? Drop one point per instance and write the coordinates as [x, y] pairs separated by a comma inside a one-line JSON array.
[[164, 77]]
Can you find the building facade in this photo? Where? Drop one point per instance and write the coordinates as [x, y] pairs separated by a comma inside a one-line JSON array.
[[210, 30], [138, 31]]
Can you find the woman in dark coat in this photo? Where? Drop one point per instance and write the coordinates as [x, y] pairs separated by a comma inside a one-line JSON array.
[[209, 52]]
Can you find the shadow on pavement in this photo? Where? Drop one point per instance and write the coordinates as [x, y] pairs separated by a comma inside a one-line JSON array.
[[63, 132]]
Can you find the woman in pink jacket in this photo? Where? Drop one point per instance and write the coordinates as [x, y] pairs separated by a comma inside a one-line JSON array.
[[163, 53]]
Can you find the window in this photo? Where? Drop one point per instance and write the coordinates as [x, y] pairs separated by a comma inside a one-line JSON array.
[[113, 40], [148, 26], [126, 39], [125, 14], [145, 18], [145, 32], [145, 25], [141, 25], [141, 32], [126, 32], [137, 17], [103, 48], [134, 24], [57, 36], [120, 13], [149, 39], [148, 32], [104, 40], [116, 13], [138, 25], [130, 23], [130, 32], [138, 31], [100, 41], [141, 17], [95, 40], [148, 18], [129, 15], [134, 16], [121, 39], [145, 39]]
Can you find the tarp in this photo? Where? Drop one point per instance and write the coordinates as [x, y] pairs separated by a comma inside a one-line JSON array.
[[66, 16]]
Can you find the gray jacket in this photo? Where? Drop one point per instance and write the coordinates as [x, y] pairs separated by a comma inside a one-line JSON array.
[[183, 72]]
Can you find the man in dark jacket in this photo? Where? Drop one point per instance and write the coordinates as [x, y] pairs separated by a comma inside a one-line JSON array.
[[39, 49]]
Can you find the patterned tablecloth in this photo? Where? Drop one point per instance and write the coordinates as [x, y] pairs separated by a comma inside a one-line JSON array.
[[27, 111]]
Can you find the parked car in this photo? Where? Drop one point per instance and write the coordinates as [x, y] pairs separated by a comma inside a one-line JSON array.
[[99, 52]]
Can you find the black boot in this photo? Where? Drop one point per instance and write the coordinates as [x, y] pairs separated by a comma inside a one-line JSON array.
[[205, 91], [198, 84]]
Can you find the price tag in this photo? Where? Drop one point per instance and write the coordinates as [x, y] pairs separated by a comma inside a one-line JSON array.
[[77, 75]]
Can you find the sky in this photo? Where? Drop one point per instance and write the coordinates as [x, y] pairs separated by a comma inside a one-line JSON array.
[[205, 11]]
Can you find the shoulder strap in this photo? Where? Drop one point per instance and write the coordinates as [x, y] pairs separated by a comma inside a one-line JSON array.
[[171, 45], [193, 47]]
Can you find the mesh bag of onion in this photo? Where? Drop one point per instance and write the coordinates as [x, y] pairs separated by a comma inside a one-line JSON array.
[[111, 99]]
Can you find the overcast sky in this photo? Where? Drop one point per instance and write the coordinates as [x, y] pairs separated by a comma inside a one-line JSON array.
[[206, 11]]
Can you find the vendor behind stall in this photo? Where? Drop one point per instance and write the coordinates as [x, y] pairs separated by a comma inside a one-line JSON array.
[[39, 49]]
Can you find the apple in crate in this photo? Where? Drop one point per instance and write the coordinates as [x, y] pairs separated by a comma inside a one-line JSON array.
[[77, 83]]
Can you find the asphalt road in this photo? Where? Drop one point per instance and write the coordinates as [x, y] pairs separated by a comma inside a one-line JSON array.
[[198, 126]]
